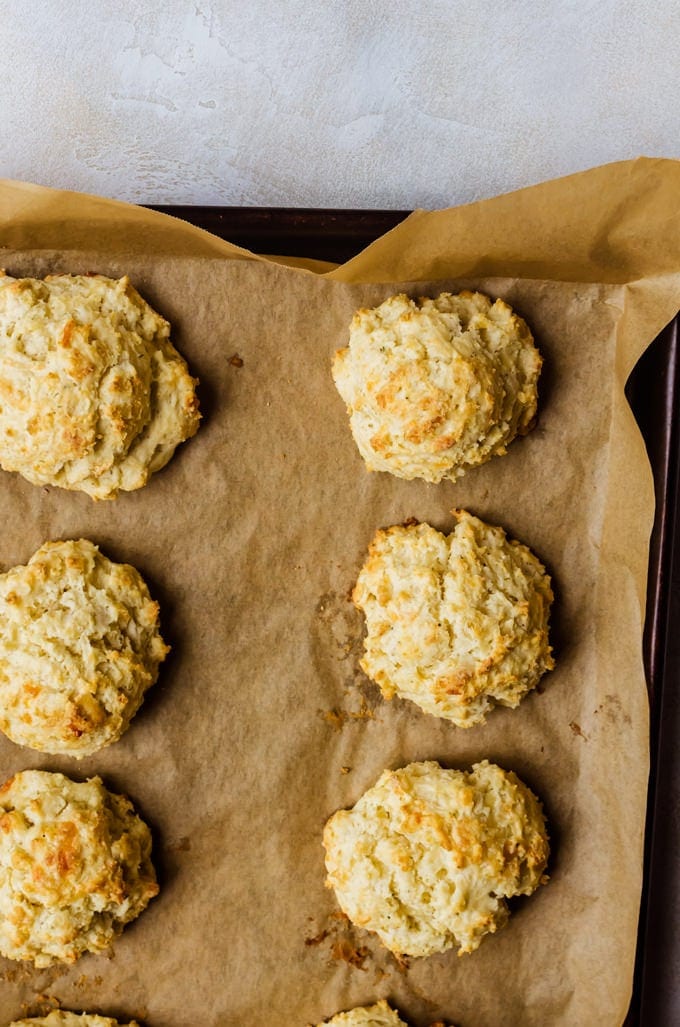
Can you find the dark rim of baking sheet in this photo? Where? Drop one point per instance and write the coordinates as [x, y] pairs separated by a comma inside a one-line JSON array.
[[653, 391]]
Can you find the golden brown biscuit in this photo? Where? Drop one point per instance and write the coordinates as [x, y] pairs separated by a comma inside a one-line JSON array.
[[379, 1015], [75, 867], [79, 646], [60, 1018], [435, 386], [428, 857], [454, 623], [93, 396]]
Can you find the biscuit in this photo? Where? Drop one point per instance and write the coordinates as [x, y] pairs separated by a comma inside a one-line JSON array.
[[75, 867], [454, 623], [60, 1018], [379, 1015], [79, 646], [93, 396], [428, 856], [435, 386]]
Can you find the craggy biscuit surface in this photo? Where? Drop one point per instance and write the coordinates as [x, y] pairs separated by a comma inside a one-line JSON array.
[[79, 646], [60, 1018], [75, 867], [454, 623], [428, 856], [379, 1015], [435, 386], [93, 396]]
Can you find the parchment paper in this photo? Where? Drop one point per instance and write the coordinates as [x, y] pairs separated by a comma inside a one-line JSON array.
[[262, 723]]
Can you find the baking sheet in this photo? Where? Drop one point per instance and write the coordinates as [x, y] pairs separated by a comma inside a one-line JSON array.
[[238, 756], [654, 393]]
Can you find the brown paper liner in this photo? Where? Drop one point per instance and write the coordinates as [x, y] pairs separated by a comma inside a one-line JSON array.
[[262, 723]]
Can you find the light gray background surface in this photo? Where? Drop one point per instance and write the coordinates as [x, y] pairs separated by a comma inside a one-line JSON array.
[[352, 103]]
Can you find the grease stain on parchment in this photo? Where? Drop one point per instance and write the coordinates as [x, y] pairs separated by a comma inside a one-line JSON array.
[[613, 710], [338, 648], [340, 626], [338, 938], [48, 975]]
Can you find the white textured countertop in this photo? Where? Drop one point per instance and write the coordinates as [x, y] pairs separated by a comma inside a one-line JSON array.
[[348, 104]]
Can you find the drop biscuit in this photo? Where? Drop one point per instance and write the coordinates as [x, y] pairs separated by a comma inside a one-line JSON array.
[[436, 386], [428, 857]]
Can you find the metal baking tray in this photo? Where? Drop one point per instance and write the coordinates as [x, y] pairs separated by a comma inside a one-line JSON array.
[[653, 391]]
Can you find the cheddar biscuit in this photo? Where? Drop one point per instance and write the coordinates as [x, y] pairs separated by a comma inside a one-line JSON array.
[[60, 1018], [428, 856], [436, 386], [457, 623], [79, 646], [379, 1015], [93, 396], [75, 867]]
